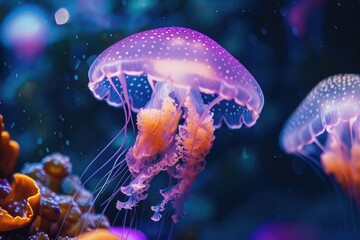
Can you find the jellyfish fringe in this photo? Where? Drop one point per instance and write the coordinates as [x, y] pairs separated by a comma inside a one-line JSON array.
[[164, 145]]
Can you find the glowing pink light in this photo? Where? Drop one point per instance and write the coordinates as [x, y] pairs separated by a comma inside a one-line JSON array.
[[128, 233]]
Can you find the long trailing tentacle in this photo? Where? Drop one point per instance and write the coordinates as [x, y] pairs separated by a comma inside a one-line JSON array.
[[117, 155], [127, 113]]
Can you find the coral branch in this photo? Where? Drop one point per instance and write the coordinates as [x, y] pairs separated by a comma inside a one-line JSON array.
[[9, 152]]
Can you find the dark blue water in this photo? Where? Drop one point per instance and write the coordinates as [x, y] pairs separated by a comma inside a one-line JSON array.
[[249, 187]]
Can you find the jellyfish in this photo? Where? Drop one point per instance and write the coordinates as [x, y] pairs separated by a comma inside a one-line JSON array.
[[182, 85], [325, 128]]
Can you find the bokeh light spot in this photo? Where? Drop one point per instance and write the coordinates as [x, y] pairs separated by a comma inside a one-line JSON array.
[[25, 30], [62, 16]]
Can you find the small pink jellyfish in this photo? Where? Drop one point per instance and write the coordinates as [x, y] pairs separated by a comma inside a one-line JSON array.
[[182, 85], [326, 128]]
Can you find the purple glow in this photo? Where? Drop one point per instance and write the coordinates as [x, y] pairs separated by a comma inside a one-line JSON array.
[[186, 59], [334, 101], [25, 30], [127, 233], [168, 74], [285, 231], [325, 127]]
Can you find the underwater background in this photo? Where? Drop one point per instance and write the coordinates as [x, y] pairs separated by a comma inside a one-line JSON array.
[[249, 189]]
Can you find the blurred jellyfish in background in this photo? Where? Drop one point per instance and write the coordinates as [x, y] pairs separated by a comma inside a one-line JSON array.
[[182, 85], [325, 128]]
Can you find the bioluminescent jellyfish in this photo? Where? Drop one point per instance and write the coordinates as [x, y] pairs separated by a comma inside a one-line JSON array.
[[182, 85], [326, 128]]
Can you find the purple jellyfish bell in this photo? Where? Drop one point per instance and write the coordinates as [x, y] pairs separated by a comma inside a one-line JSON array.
[[183, 85], [332, 102], [185, 58], [325, 128]]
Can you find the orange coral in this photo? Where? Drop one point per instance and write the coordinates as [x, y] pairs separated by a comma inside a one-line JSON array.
[[9, 152], [44, 196], [19, 207]]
